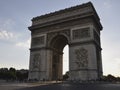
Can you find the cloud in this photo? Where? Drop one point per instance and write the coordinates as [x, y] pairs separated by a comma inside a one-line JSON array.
[[107, 4], [25, 44], [6, 35], [6, 24], [6, 29], [117, 60]]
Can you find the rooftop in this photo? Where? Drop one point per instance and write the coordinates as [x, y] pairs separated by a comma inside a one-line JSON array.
[[66, 10], [73, 13]]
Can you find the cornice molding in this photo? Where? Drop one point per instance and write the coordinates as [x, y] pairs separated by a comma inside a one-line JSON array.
[[73, 13]]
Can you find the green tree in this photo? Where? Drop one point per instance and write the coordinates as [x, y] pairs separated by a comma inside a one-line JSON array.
[[12, 73], [66, 76], [4, 73], [22, 75]]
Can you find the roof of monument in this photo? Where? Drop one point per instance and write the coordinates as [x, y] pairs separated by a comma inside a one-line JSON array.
[[66, 10], [75, 12]]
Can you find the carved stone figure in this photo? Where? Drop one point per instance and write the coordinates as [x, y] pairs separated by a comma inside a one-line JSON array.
[[36, 61], [81, 57]]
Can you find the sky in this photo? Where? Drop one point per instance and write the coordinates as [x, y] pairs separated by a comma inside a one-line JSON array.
[[15, 18]]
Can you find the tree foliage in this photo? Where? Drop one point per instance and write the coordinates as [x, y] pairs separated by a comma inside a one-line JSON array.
[[13, 74], [66, 76], [110, 78]]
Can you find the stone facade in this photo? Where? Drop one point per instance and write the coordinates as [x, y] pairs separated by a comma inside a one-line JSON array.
[[79, 27]]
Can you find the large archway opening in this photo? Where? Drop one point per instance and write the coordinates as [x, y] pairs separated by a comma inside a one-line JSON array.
[[65, 59], [57, 45]]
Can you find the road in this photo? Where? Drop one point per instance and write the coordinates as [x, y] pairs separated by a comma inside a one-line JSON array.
[[58, 86]]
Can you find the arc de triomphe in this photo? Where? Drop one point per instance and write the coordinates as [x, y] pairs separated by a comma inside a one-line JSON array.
[[78, 27]]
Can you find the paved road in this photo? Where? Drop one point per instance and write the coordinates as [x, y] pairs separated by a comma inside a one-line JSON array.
[[65, 86]]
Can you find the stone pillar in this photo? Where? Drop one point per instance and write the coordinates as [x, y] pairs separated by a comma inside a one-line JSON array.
[[37, 69], [53, 60], [49, 64], [84, 64]]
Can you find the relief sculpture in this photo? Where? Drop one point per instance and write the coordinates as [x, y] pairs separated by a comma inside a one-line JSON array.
[[36, 61], [81, 57], [81, 33], [38, 41]]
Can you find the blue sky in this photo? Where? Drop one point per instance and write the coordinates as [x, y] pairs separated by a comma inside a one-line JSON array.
[[16, 15]]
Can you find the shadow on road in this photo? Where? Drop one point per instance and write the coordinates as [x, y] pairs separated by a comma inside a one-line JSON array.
[[59, 86], [75, 86]]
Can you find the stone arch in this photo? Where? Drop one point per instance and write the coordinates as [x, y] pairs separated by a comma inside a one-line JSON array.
[[79, 27], [52, 35], [57, 44]]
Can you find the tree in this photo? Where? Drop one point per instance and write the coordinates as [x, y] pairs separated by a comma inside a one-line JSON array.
[[12, 73], [22, 74], [110, 78], [4, 73], [66, 76]]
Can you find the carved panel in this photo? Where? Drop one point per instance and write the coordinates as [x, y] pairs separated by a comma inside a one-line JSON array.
[[38, 40], [96, 37], [81, 57], [81, 33], [36, 61]]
